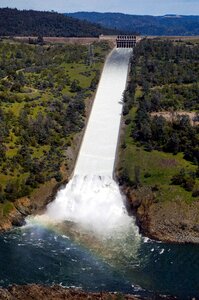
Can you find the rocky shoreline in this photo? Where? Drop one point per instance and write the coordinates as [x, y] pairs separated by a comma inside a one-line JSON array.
[[38, 292], [35, 204], [56, 292], [170, 221]]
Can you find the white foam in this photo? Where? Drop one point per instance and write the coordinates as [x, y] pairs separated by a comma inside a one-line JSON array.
[[92, 199], [93, 202], [162, 251]]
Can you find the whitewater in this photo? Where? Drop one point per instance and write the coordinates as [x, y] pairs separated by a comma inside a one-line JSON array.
[[92, 198]]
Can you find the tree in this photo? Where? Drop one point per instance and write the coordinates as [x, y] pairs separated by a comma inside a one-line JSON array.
[[40, 40], [2, 152], [75, 87]]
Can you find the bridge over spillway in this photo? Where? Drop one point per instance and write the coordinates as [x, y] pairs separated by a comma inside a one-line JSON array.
[[126, 41], [121, 41]]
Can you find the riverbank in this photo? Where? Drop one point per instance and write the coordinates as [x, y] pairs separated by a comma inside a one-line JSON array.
[[37, 292], [172, 222], [15, 212]]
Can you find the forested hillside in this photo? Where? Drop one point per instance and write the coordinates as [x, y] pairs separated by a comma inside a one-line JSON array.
[[145, 25], [44, 91], [34, 23], [161, 148]]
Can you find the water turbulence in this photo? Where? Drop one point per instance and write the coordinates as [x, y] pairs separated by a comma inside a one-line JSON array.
[[92, 199], [94, 202]]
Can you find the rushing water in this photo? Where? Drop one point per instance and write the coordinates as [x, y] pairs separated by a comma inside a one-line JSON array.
[[93, 202], [97, 153], [86, 238]]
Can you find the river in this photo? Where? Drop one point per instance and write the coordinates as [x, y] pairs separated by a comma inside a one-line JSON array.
[[39, 255], [86, 239]]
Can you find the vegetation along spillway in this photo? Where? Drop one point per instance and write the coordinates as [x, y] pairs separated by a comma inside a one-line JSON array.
[[86, 238]]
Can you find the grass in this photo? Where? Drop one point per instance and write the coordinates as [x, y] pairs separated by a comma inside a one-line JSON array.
[[39, 152], [156, 168], [14, 107], [7, 207], [36, 110], [76, 71], [11, 152], [138, 93]]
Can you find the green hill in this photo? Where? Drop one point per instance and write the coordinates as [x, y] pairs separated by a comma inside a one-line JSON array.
[[146, 25], [34, 23]]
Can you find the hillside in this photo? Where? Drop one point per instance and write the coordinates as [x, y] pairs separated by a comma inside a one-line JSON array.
[[34, 23], [159, 152], [38, 145], [145, 25]]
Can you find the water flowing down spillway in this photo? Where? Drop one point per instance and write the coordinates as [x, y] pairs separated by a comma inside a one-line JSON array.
[[93, 202], [92, 199], [97, 153]]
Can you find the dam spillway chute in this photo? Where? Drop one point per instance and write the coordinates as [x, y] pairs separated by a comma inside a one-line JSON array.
[[98, 149], [92, 199]]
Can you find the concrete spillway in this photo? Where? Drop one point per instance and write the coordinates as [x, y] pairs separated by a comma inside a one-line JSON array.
[[92, 199], [97, 153]]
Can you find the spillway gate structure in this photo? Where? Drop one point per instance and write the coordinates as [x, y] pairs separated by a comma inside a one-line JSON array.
[[126, 41]]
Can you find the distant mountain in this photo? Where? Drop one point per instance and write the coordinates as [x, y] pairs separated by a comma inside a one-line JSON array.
[[34, 23], [145, 25]]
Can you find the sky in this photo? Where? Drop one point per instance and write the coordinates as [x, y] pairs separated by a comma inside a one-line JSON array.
[[141, 7]]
